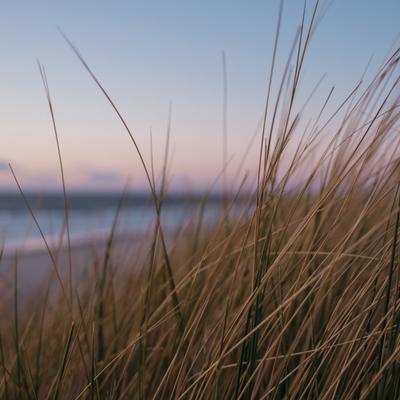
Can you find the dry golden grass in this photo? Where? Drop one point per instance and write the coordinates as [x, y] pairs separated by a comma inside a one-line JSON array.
[[299, 297]]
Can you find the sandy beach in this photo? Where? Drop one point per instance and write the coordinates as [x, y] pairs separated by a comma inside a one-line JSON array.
[[35, 267]]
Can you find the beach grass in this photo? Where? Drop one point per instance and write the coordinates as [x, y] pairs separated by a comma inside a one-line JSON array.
[[295, 297]]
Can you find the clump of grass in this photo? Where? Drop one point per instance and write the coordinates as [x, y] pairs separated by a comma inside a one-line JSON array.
[[297, 297]]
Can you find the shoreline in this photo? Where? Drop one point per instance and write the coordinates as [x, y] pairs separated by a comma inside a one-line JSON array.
[[34, 266]]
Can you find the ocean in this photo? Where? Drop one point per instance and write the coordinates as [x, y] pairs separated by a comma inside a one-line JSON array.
[[91, 216]]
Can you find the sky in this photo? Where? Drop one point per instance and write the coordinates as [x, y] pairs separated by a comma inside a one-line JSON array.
[[153, 56]]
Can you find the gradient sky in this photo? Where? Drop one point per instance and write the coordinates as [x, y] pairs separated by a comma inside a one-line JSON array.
[[148, 54]]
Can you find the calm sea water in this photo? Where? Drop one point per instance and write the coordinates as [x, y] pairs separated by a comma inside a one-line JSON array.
[[90, 216]]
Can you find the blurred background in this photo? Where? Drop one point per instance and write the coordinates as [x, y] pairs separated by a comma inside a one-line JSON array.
[[156, 58]]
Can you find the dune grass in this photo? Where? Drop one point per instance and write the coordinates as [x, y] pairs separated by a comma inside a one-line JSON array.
[[297, 297]]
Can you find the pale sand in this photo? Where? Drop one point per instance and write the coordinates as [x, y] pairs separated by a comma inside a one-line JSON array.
[[35, 267]]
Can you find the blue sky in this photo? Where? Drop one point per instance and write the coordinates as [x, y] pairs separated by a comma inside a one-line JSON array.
[[148, 54]]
